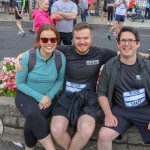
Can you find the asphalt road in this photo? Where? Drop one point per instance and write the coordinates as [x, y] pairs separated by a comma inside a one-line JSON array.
[[11, 45]]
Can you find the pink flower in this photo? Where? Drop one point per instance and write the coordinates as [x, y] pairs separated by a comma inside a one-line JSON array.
[[7, 77]]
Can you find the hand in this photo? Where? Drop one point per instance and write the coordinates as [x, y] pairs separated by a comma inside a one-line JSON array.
[[45, 102], [111, 121], [148, 127], [18, 66], [59, 12]]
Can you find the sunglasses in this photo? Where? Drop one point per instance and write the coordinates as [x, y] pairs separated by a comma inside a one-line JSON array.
[[45, 40]]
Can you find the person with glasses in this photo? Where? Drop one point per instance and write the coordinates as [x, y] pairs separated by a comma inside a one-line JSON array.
[[37, 89], [123, 91]]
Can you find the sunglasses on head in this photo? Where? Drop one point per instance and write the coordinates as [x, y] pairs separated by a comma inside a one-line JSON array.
[[45, 40]]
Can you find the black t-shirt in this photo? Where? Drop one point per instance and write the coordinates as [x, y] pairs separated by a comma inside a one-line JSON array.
[[129, 91], [84, 69], [18, 4]]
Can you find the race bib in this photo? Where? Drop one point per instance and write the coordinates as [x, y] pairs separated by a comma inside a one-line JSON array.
[[134, 98], [74, 87]]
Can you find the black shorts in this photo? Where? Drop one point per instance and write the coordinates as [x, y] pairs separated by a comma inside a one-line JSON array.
[[130, 9], [17, 16], [140, 117], [59, 110]]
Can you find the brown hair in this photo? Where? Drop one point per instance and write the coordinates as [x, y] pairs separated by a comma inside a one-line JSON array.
[[80, 26], [47, 27], [131, 30]]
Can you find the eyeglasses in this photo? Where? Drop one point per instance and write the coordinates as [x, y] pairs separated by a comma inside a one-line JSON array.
[[45, 40], [130, 41]]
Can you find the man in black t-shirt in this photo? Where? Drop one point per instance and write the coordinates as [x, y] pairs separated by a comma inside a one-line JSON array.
[[123, 91], [79, 99]]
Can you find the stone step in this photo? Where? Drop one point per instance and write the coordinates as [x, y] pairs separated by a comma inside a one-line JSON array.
[[13, 131]]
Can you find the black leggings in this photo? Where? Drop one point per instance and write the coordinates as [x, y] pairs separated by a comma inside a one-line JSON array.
[[36, 126], [110, 13]]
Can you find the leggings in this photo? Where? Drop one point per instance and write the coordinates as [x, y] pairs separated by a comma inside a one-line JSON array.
[[36, 126], [110, 13]]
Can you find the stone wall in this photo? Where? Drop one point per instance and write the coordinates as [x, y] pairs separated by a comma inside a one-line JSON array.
[[13, 123]]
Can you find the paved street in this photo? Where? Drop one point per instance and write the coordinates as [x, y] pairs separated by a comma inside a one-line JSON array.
[[11, 44]]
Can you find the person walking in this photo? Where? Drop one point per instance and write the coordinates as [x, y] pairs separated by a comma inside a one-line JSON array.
[[120, 14], [19, 10], [37, 88]]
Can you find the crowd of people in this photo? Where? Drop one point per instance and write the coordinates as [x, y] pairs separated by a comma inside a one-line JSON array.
[[71, 93]]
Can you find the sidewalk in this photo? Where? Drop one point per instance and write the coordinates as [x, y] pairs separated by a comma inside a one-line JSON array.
[[94, 20]]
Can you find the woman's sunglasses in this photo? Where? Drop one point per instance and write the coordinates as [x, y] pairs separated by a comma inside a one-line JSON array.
[[45, 40]]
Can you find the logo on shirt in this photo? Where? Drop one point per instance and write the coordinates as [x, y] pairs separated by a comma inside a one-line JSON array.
[[92, 62], [138, 77]]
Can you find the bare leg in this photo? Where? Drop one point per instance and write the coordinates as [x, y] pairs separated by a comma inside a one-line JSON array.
[[47, 143], [85, 129], [114, 27], [106, 135], [27, 148], [59, 125], [18, 23]]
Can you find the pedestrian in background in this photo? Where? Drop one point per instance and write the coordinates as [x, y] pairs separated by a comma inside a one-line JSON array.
[[19, 11], [83, 9], [105, 10], [65, 11], [110, 5], [37, 89], [89, 6], [120, 14], [41, 15], [147, 10], [130, 8]]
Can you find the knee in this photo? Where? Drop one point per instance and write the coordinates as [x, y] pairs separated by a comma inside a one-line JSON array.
[[103, 137], [57, 130], [31, 115], [86, 130]]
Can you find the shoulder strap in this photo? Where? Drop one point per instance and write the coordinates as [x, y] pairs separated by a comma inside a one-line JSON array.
[[32, 59], [58, 60]]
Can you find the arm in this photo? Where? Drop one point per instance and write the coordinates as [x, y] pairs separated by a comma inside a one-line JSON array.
[[69, 16], [43, 20], [21, 79], [18, 11], [145, 55], [102, 90], [18, 66], [56, 15], [118, 3], [110, 119]]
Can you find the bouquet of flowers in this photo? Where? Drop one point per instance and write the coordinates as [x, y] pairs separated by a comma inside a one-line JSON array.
[[7, 78]]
